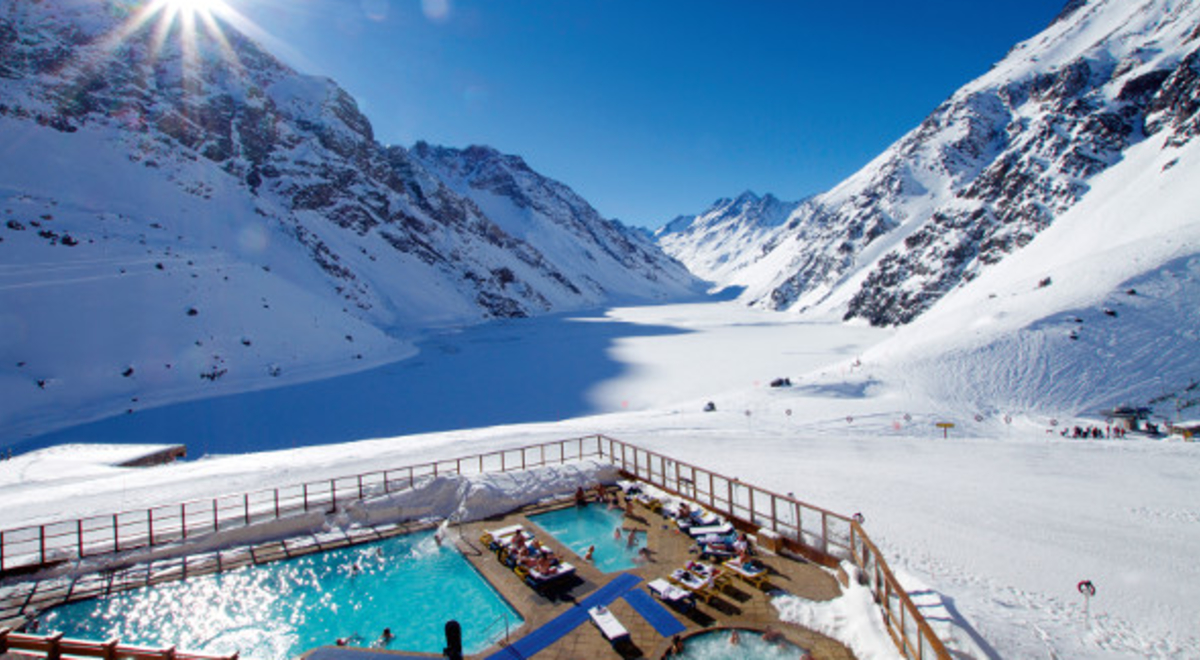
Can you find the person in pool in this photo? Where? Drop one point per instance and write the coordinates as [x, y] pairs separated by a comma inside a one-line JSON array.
[[772, 636], [385, 638], [590, 551]]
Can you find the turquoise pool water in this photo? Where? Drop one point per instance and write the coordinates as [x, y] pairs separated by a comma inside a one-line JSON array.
[[716, 645], [578, 527], [276, 611]]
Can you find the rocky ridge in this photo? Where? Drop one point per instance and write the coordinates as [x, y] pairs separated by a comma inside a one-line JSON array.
[[987, 171]]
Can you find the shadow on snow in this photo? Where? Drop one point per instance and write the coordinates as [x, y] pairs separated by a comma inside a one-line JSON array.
[[507, 372]]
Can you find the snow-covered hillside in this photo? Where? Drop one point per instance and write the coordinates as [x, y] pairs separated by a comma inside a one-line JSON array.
[[182, 222], [987, 171], [723, 239]]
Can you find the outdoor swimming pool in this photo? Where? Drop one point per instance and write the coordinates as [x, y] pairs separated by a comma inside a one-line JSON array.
[[716, 645], [276, 611], [578, 527]]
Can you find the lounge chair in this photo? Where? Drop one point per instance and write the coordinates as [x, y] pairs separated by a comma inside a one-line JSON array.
[[753, 572], [671, 594], [716, 576], [506, 531], [653, 503], [720, 529], [538, 579], [694, 584], [608, 624]]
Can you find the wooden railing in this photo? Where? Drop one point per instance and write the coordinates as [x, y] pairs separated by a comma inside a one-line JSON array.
[[816, 533], [811, 531], [55, 647], [31, 548]]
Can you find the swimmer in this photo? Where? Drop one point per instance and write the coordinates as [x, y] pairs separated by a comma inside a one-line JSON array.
[[385, 638], [590, 551], [735, 638], [616, 533], [632, 538]]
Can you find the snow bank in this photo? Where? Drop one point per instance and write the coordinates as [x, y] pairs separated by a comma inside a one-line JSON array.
[[852, 619], [462, 499]]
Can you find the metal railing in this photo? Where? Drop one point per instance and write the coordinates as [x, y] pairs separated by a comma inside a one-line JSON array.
[[814, 532]]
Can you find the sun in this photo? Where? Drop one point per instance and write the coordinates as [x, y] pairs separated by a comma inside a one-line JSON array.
[[193, 7]]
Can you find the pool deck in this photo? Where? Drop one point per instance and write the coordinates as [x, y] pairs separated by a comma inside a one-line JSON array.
[[737, 605]]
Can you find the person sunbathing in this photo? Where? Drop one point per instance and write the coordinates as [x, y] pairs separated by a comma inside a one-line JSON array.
[[544, 567]]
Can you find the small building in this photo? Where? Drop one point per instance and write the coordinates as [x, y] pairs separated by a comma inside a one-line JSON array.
[[1127, 417], [1188, 430]]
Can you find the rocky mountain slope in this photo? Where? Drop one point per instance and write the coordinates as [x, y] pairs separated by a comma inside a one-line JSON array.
[[214, 219], [987, 171]]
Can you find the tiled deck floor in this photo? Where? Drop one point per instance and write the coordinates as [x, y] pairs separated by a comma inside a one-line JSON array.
[[739, 605]]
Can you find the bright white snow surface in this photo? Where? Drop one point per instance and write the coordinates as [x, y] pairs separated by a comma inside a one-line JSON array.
[[1003, 520]]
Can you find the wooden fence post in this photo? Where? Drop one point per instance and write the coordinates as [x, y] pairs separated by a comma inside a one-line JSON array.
[[824, 532], [54, 652]]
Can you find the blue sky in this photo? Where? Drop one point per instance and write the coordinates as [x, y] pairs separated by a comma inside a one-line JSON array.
[[653, 108]]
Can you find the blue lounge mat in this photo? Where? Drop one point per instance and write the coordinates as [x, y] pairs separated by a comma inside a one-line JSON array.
[[663, 621], [559, 626]]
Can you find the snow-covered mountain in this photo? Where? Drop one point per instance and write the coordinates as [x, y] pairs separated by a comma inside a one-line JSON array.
[[985, 173], [612, 260], [184, 215], [724, 238]]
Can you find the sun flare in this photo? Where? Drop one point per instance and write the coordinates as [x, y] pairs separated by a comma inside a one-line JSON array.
[[186, 23], [194, 6]]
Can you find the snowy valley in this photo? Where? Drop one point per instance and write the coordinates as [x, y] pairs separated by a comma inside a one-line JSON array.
[[229, 253]]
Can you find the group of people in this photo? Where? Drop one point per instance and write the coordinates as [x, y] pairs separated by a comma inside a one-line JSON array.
[[531, 554], [1093, 432], [600, 495], [769, 635]]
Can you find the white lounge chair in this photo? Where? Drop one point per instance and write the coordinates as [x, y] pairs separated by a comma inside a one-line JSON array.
[[669, 593], [608, 624]]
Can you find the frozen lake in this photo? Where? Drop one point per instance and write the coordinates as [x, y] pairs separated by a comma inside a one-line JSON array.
[[507, 372]]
